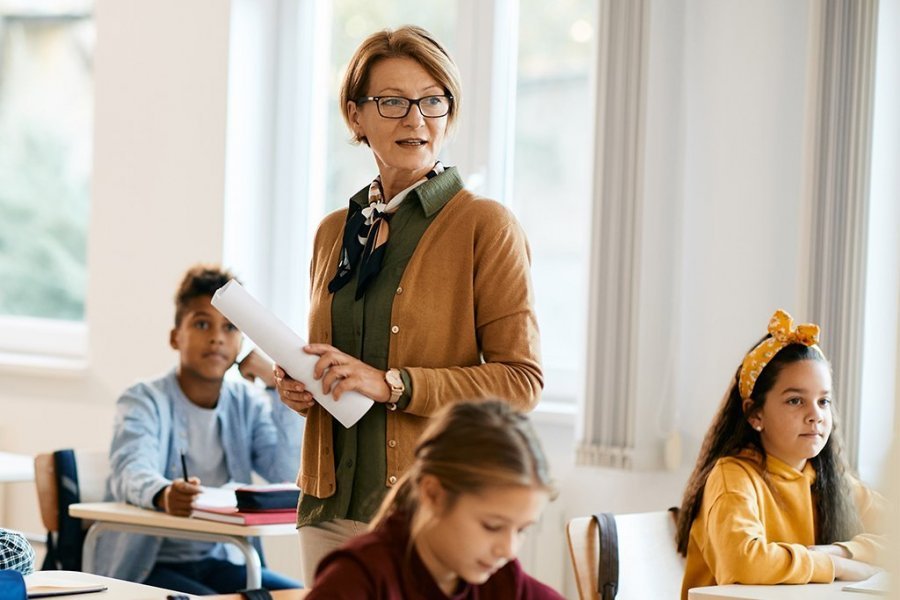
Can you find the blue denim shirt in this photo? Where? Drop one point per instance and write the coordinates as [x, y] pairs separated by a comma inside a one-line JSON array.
[[259, 433]]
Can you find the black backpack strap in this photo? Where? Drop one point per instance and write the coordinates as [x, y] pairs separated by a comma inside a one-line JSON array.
[[257, 594], [70, 539], [608, 561]]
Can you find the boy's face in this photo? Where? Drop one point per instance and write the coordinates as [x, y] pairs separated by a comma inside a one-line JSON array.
[[207, 342]]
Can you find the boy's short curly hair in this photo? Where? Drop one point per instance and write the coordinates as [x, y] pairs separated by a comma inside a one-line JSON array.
[[199, 280]]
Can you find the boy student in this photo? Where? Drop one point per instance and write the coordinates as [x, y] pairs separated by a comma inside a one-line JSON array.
[[221, 430]]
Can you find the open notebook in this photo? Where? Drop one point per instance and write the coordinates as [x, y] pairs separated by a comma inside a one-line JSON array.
[[878, 584], [41, 585]]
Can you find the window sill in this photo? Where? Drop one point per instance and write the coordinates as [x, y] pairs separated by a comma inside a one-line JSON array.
[[43, 365], [555, 412]]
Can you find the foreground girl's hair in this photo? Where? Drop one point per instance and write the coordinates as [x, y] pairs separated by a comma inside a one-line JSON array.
[[469, 447], [836, 515]]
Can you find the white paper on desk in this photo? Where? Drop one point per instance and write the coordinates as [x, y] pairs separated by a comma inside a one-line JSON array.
[[879, 584], [286, 348]]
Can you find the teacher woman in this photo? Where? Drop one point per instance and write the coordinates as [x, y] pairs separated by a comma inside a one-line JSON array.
[[420, 293]]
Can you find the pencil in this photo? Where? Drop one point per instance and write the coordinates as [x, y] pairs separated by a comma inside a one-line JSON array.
[[184, 467]]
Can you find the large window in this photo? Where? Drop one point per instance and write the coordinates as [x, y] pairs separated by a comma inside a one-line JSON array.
[[551, 185], [46, 99]]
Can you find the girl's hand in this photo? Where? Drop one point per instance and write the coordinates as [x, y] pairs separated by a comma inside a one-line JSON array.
[[832, 549], [292, 393], [341, 373], [848, 569]]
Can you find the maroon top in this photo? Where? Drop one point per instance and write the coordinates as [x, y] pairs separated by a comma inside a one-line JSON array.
[[377, 565]]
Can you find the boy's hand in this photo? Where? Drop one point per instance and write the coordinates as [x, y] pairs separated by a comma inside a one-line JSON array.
[[177, 498], [253, 366]]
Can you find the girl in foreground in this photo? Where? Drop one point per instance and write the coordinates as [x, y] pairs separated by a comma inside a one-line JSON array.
[[771, 499], [452, 526]]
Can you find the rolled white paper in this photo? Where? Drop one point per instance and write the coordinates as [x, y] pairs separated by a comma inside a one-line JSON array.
[[286, 348]]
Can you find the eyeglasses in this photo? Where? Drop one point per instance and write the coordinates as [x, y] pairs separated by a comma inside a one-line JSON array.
[[397, 107]]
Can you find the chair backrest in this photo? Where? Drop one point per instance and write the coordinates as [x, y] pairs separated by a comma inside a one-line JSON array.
[[93, 469], [649, 564]]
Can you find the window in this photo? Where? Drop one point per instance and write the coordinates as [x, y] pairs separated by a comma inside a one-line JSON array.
[[551, 182], [524, 138], [46, 98]]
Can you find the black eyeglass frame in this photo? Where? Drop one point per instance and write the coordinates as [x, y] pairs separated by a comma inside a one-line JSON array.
[[412, 101]]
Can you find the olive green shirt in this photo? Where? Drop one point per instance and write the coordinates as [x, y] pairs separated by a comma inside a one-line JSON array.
[[361, 328]]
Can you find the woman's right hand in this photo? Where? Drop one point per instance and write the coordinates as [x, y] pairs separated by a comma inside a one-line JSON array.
[[292, 392], [848, 569]]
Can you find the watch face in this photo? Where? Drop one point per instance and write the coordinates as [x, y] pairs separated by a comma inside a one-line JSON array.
[[393, 378]]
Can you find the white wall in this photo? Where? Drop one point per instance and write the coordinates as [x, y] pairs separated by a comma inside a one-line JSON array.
[[722, 244]]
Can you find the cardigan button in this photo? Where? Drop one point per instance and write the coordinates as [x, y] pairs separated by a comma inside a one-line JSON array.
[[392, 443], [392, 480], [399, 289], [395, 329]]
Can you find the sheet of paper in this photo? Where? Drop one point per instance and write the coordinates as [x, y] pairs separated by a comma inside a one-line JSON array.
[[879, 584], [286, 348]]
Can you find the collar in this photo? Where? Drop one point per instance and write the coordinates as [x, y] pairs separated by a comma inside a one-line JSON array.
[[780, 469], [431, 195]]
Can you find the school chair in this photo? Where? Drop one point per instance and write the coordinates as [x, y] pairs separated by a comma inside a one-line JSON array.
[[62, 478], [627, 556]]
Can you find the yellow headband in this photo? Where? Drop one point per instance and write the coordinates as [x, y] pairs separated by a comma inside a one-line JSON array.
[[781, 326]]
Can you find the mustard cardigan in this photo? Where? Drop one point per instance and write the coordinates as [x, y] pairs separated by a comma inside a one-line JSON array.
[[750, 532], [463, 327]]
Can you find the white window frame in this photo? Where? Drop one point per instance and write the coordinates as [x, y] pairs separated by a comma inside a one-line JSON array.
[[41, 345]]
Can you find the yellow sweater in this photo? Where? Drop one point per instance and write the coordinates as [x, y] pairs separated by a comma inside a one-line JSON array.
[[750, 532]]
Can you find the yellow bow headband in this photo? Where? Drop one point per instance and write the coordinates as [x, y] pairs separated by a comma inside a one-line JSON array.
[[781, 326]]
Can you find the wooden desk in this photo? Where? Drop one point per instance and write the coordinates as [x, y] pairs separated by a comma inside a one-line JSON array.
[[15, 468], [116, 588], [118, 516], [810, 591]]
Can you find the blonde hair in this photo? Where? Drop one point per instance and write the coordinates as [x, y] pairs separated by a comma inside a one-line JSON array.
[[470, 447], [408, 41]]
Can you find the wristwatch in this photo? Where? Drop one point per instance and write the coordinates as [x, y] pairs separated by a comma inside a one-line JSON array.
[[395, 382]]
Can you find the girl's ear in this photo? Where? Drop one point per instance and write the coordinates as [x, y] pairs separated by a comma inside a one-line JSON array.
[[432, 495], [752, 417]]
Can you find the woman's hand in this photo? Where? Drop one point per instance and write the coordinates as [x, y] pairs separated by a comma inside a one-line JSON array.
[[292, 393], [253, 366], [848, 569], [341, 373]]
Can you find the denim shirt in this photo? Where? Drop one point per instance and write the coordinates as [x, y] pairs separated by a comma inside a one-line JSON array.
[[259, 433]]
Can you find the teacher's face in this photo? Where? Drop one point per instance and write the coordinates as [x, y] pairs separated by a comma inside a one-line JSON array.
[[407, 147]]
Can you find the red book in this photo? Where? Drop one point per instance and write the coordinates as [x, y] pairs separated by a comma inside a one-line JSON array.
[[238, 517]]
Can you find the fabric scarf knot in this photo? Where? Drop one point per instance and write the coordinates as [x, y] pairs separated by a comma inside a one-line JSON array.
[[781, 328], [366, 233]]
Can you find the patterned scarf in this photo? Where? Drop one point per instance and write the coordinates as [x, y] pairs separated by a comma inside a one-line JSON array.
[[366, 234]]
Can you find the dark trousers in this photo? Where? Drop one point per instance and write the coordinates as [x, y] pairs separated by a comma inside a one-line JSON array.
[[211, 576]]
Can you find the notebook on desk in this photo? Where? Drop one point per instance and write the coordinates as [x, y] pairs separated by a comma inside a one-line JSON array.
[[62, 588], [878, 584]]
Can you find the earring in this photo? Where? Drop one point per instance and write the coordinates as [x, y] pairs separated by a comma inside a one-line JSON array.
[[758, 428]]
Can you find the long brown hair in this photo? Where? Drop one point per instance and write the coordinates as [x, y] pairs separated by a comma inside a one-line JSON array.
[[836, 516], [470, 447]]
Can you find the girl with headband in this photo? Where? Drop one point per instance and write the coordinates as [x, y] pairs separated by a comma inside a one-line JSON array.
[[772, 499]]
